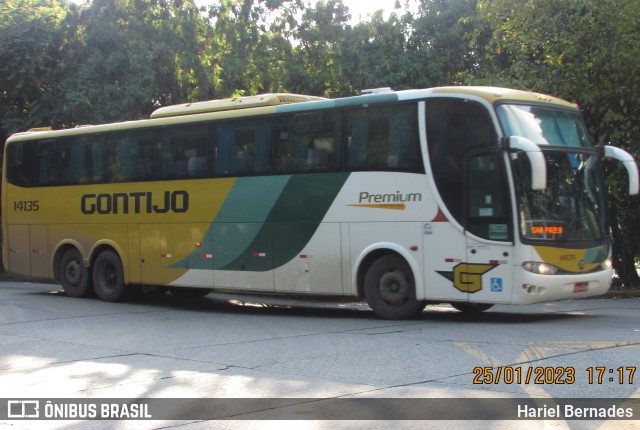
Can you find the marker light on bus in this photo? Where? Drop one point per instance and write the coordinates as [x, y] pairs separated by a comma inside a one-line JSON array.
[[540, 268]]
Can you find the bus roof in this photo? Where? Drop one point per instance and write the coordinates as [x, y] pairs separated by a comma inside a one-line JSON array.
[[290, 103], [231, 104], [494, 94]]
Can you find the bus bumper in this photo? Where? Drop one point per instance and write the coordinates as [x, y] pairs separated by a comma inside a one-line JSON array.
[[533, 288]]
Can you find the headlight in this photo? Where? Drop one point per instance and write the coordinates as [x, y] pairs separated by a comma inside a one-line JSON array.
[[540, 268], [607, 264]]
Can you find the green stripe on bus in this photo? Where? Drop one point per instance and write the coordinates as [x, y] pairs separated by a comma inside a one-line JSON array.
[[241, 220], [238, 222], [294, 219]]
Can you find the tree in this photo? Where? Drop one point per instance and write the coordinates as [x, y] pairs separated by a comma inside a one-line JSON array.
[[36, 37], [137, 55], [376, 52], [318, 58], [583, 51], [110, 60], [439, 43], [252, 44]]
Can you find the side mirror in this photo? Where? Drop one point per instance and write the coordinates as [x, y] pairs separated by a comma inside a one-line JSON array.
[[536, 159], [628, 162]]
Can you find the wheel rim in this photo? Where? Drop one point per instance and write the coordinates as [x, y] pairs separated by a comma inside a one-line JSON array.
[[73, 273], [109, 278], [395, 287]]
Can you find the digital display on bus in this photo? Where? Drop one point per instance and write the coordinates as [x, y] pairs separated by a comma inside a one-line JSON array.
[[546, 229]]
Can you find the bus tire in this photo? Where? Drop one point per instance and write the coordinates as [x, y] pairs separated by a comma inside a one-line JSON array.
[[390, 290], [471, 308], [74, 275], [108, 278]]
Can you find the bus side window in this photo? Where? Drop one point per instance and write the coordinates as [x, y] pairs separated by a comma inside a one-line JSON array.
[[263, 137], [384, 138], [325, 145], [82, 160], [129, 156], [487, 203], [245, 151], [358, 129], [224, 164], [33, 163], [20, 157], [284, 148], [404, 142], [182, 152], [243, 148], [308, 142], [47, 163], [455, 127]]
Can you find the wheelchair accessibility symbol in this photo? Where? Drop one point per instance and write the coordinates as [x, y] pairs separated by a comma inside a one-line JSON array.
[[496, 285]]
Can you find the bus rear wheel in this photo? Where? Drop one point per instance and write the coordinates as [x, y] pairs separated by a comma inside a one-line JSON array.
[[390, 289], [108, 278], [74, 275]]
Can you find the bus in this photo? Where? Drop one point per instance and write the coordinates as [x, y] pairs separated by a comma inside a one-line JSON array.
[[473, 196]]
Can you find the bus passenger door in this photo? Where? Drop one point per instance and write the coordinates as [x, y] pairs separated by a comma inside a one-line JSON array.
[[469, 173], [488, 230]]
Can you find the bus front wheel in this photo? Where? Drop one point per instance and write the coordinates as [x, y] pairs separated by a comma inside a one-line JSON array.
[[108, 278], [390, 289], [74, 275]]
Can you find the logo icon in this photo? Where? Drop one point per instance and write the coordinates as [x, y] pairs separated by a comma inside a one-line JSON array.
[[23, 409], [467, 277]]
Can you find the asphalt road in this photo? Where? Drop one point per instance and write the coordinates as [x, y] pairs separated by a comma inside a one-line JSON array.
[[222, 346]]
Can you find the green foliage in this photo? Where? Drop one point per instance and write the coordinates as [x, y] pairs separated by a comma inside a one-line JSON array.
[[251, 44], [439, 42], [583, 51], [317, 66], [136, 55], [34, 40], [378, 57]]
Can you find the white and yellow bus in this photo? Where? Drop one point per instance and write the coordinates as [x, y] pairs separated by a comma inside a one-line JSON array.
[[466, 195]]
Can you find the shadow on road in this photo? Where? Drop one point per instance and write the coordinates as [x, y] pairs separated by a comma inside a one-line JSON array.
[[260, 305]]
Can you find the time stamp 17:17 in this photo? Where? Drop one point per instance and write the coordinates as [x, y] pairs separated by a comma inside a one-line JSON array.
[[553, 375]]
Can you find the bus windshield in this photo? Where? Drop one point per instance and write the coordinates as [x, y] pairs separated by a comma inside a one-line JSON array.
[[571, 207], [545, 126]]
